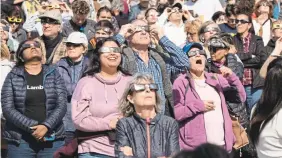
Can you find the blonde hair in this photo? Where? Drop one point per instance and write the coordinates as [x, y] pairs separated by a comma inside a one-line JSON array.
[[5, 53], [193, 26], [126, 107]]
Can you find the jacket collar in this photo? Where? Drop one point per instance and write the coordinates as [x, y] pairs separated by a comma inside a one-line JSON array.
[[19, 70], [153, 121], [210, 79]]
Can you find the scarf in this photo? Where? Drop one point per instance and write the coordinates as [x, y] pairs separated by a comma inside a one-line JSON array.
[[50, 44]]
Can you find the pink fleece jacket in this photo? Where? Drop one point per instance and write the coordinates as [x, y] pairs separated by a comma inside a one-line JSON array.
[[189, 112], [94, 104]]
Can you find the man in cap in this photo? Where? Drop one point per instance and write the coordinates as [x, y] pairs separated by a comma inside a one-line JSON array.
[[175, 29], [52, 38]]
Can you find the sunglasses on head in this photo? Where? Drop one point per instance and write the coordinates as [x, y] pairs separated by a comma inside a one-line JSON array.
[[109, 50], [49, 21], [68, 44], [196, 52], [142, 87], [242, 21], [277, 26], [29, 45], [14, 20], [215, 43]]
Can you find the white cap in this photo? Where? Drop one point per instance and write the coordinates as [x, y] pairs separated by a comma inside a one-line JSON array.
[[77, 38]]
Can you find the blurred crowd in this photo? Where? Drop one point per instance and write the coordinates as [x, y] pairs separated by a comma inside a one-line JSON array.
[[141, 78]]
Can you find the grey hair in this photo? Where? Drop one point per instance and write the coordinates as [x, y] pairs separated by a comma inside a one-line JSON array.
[[127, 108], [202, 29]]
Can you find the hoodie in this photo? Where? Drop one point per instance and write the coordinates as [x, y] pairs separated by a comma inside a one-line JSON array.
[[94, 105]]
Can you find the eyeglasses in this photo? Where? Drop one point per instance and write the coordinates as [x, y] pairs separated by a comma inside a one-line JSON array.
[[106, 29], [276, 26], [142, 87], [14, 20], [196, 52], [49, 21], [242, 21], [264, 4], [109, 50], [142, 28], [191, 34], [211, 29], [153, 15], [29, 45], [68, 44], [174, 10]]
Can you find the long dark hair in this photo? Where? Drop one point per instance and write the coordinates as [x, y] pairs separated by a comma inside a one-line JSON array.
[[271, 100], [95, 65]]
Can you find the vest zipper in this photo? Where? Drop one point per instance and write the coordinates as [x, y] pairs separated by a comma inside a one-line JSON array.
[[148, 137]]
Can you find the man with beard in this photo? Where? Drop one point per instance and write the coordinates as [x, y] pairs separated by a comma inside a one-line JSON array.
[[34, 102]]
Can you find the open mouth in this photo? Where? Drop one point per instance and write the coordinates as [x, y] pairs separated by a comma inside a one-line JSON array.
[[199, 61], [112, 58]]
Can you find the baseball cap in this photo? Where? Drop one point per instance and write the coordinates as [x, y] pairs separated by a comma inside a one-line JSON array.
[[189, 46], [52, 14], [177, 4], [77, 38]]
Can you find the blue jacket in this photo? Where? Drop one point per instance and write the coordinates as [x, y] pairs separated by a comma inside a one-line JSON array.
[[71, 73], [13, 103]]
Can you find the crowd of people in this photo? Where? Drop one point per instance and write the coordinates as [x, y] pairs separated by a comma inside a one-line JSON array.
[[141, 78]]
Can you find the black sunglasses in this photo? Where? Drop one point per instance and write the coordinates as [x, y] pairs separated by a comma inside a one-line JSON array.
[[29, 45], [49, 21], [68, 44], [241, 21], [142, 87], [194, 53]]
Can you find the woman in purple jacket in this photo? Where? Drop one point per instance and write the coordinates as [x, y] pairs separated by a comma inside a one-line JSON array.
[[199, 103]]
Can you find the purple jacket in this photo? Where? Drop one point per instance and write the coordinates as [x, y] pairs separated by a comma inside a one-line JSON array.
[[190, 114]]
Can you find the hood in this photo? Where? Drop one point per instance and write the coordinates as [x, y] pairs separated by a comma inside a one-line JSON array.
[[108, 83]]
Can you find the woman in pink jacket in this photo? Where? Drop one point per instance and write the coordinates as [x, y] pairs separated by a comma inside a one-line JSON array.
[[199, 103], [95, 100]]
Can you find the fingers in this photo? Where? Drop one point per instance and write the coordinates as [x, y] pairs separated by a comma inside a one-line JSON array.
[[34, 127]]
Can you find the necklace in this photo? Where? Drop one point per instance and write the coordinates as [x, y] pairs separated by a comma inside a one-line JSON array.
[[199, 84]]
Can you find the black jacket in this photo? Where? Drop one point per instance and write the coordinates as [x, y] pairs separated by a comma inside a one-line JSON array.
[[270, 46], [230, 62], [13, 103], [235, 105], [131, 131], [253, 59]]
